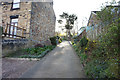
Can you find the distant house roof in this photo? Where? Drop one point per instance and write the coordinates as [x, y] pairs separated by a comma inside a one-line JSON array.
[[92, 12], [114, 5], [80, 31], [95, 11]]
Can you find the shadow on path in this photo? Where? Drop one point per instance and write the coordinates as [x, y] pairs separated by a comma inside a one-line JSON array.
[[62, 62]]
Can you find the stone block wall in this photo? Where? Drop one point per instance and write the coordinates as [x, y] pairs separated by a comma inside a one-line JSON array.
[[9, 46], [0, 15], [37, 17], [42, 21], [24, 14]]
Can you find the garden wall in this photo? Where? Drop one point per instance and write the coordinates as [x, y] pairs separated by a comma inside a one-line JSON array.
[[10, 46]]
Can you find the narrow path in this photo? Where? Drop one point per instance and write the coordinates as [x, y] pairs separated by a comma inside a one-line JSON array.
[[62, 62]]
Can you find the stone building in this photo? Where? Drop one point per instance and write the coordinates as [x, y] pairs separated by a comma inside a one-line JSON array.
[[32, 20], [93, 28], [97, 26], [26, 24]]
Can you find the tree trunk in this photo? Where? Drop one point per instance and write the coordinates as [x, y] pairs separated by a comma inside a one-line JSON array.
[[69, 35]]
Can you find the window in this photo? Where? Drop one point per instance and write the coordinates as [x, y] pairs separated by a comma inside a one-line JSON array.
[[16, 4], [14, 24]]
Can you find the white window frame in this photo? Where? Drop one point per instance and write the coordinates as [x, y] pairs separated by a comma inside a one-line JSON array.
[[14, 22], [16, 4]]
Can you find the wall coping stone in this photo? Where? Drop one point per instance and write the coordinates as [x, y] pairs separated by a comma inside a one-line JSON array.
[[15, 41]]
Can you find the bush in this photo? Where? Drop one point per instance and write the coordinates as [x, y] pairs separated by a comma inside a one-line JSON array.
[[96, 68], [39, 45], [60, 40], [36, 52], [102, 55], [1, 29], [53, 40], [105, 55], [83, 57], [83, 42]]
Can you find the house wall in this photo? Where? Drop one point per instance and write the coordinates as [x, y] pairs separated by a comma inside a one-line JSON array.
[[93, 33], [96, 28], [42, 22], [24, 15], [10, 45], [37, 18], [0, 15]]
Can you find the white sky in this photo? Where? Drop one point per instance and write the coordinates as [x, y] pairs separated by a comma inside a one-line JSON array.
[[82, 8]]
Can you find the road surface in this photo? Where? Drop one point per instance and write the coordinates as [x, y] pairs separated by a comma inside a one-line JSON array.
[[62, 62]]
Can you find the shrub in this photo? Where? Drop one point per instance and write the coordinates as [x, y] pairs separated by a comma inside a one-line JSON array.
[[105, 55], [39, 45], [60, 40], [102, 55], [83, 57], [1, 29], [83, 42], [90, 45], [53, 40], [96, 68]]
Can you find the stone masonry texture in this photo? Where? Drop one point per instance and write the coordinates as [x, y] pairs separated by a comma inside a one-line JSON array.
[[23, 13], [38, 18], [42, 21]]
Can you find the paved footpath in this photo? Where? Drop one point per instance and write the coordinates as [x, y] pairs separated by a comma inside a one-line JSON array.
[[62, 62]]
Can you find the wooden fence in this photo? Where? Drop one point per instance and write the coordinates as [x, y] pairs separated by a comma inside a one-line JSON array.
[[12, 32]]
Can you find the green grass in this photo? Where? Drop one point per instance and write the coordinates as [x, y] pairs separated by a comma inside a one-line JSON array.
[[32, 52]]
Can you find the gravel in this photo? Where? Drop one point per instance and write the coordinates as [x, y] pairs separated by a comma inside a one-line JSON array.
[[14, 68]]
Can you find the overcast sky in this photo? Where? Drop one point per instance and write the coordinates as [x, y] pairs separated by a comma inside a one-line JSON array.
[[82, 8]]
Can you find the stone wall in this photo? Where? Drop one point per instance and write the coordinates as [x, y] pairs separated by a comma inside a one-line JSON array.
[[95, 26], [9, 46], [24, 14], [0, 15], [37, 17], [42, 21]]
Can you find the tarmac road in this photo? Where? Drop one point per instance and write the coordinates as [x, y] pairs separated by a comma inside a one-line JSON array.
[[62, 62]]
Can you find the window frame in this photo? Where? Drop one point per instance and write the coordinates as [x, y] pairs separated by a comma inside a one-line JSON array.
[[13, 3], [13, 17]]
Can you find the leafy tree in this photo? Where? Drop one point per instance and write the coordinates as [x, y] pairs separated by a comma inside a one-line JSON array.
[[60, 21], [70, 19]]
